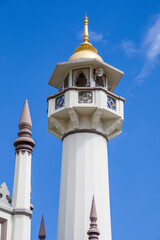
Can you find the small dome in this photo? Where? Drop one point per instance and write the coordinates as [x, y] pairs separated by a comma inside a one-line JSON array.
[[85, 50], [85, 54]]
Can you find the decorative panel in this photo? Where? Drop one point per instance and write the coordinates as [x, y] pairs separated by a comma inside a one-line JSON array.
[[59, 102], [111, 103], [84, 97]]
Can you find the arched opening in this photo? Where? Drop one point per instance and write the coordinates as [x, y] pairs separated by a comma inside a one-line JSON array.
[[100, 81], [81, 80]]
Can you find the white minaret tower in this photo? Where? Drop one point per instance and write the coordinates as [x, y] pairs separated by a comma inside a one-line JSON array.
[[15, 219], [22, 179], [85, 114]]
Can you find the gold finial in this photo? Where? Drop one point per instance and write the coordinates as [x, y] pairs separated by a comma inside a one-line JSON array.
[[85, 50], [86, 39]]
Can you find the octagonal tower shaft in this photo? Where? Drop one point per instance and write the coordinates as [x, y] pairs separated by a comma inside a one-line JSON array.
[[84, 173]]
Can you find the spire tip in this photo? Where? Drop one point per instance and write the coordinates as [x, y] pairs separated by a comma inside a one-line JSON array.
[[86, 39], [42, 232], [93, 232], [25, 116]]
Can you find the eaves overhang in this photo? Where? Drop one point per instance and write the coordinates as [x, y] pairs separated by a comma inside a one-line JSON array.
[[62, 69]]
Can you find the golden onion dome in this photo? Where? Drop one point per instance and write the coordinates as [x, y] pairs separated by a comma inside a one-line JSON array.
[[85, 50]]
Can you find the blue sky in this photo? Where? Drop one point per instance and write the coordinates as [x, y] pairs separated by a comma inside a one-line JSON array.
[[34, 36]]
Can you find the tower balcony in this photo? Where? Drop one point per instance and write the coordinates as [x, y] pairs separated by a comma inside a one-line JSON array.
[[76, 103]]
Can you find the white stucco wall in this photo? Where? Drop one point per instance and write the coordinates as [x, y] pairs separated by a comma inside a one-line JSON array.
[[21, 228], [8, 217], [21, 196], [22, 181], [84, 173]]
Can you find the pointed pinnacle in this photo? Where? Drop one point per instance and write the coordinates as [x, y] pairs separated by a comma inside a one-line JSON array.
[[85, 39], [42, 233], [25, 119], [93, 214], [93, 232], [24, 141]]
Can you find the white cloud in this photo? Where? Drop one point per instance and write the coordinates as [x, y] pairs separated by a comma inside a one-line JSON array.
[[145, 72], [150, 50], [96, 37], [152, 39], [129, 48], [93, 36]]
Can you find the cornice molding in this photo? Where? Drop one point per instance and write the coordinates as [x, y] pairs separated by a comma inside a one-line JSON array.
[[16, 211], [84, 131]]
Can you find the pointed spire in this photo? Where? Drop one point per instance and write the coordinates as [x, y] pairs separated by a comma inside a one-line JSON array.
[[25, 119], [86, 39], [42, 233], [24, 141], [85, 50], [93, 232], [93, 214]]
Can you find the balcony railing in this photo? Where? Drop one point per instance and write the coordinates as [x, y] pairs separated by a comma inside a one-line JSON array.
[[59, 101], [86, 95], [111, 102]]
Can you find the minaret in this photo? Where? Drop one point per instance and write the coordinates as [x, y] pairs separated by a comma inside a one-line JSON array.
[[22, 179], [85, 114], [42, 232]]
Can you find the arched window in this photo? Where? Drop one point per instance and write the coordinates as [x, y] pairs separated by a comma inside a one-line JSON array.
[[81, 80], [101, 81]]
